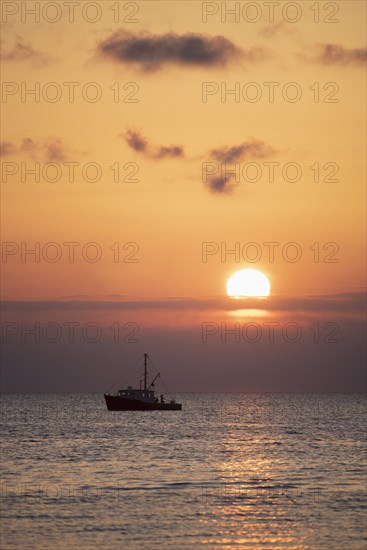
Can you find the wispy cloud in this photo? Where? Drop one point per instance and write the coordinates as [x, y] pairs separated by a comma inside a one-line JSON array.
[[276, 28], [52, 149], [253, 149], [140, 145], [21, 51], [169, 152], [249, 149], [334, 54], [7, 149], [151, 52], [55, 150]]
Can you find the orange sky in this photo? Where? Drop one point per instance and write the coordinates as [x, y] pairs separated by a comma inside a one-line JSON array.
[[165, 217]]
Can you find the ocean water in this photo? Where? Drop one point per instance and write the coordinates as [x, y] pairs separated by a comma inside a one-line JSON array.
[[251, 471]]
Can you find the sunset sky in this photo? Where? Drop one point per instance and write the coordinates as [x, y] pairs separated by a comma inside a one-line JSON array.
[[163, 121]]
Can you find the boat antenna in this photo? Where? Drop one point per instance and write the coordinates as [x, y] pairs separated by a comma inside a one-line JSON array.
[[145, 371], [152, 382], [165, 389]]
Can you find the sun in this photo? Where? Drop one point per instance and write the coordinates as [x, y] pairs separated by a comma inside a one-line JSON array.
[[248, 282]]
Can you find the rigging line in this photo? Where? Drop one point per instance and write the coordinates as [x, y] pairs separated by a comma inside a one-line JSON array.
[[132, 368], [154, 367], [165, 389], [125, 374]]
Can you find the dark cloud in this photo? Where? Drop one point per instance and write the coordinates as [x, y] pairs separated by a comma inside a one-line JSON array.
[[138, 143], [343, 303], [225, 183], [333, 54], [151, 52], [330, 357], [135, 141], [219, 184], [250, 149], [24, 52]]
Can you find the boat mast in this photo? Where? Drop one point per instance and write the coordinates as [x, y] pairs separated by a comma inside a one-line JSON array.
[[145, 371]]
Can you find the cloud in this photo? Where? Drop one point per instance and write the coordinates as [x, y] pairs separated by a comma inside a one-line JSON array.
[[138, 143], [172, 151], [10, 149], [225, 183], [220, 184], [250, 149], [29, 147], [24, 52], [274, 28], [135, 141], [333, 54], [51, 150], [342, 303], [7, 148], [55, 150], [151, 52]]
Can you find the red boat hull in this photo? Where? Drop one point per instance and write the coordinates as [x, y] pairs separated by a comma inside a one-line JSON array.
[[115, 403]]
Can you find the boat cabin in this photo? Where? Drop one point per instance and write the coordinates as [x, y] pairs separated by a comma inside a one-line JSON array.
[[142, 395]]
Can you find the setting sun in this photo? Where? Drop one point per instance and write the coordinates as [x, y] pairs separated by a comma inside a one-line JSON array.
[[248, 282]]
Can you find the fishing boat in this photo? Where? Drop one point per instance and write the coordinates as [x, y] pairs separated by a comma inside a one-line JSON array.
[[142, 399]]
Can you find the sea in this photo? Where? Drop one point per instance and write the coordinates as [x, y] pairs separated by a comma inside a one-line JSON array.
[[254, 471]]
